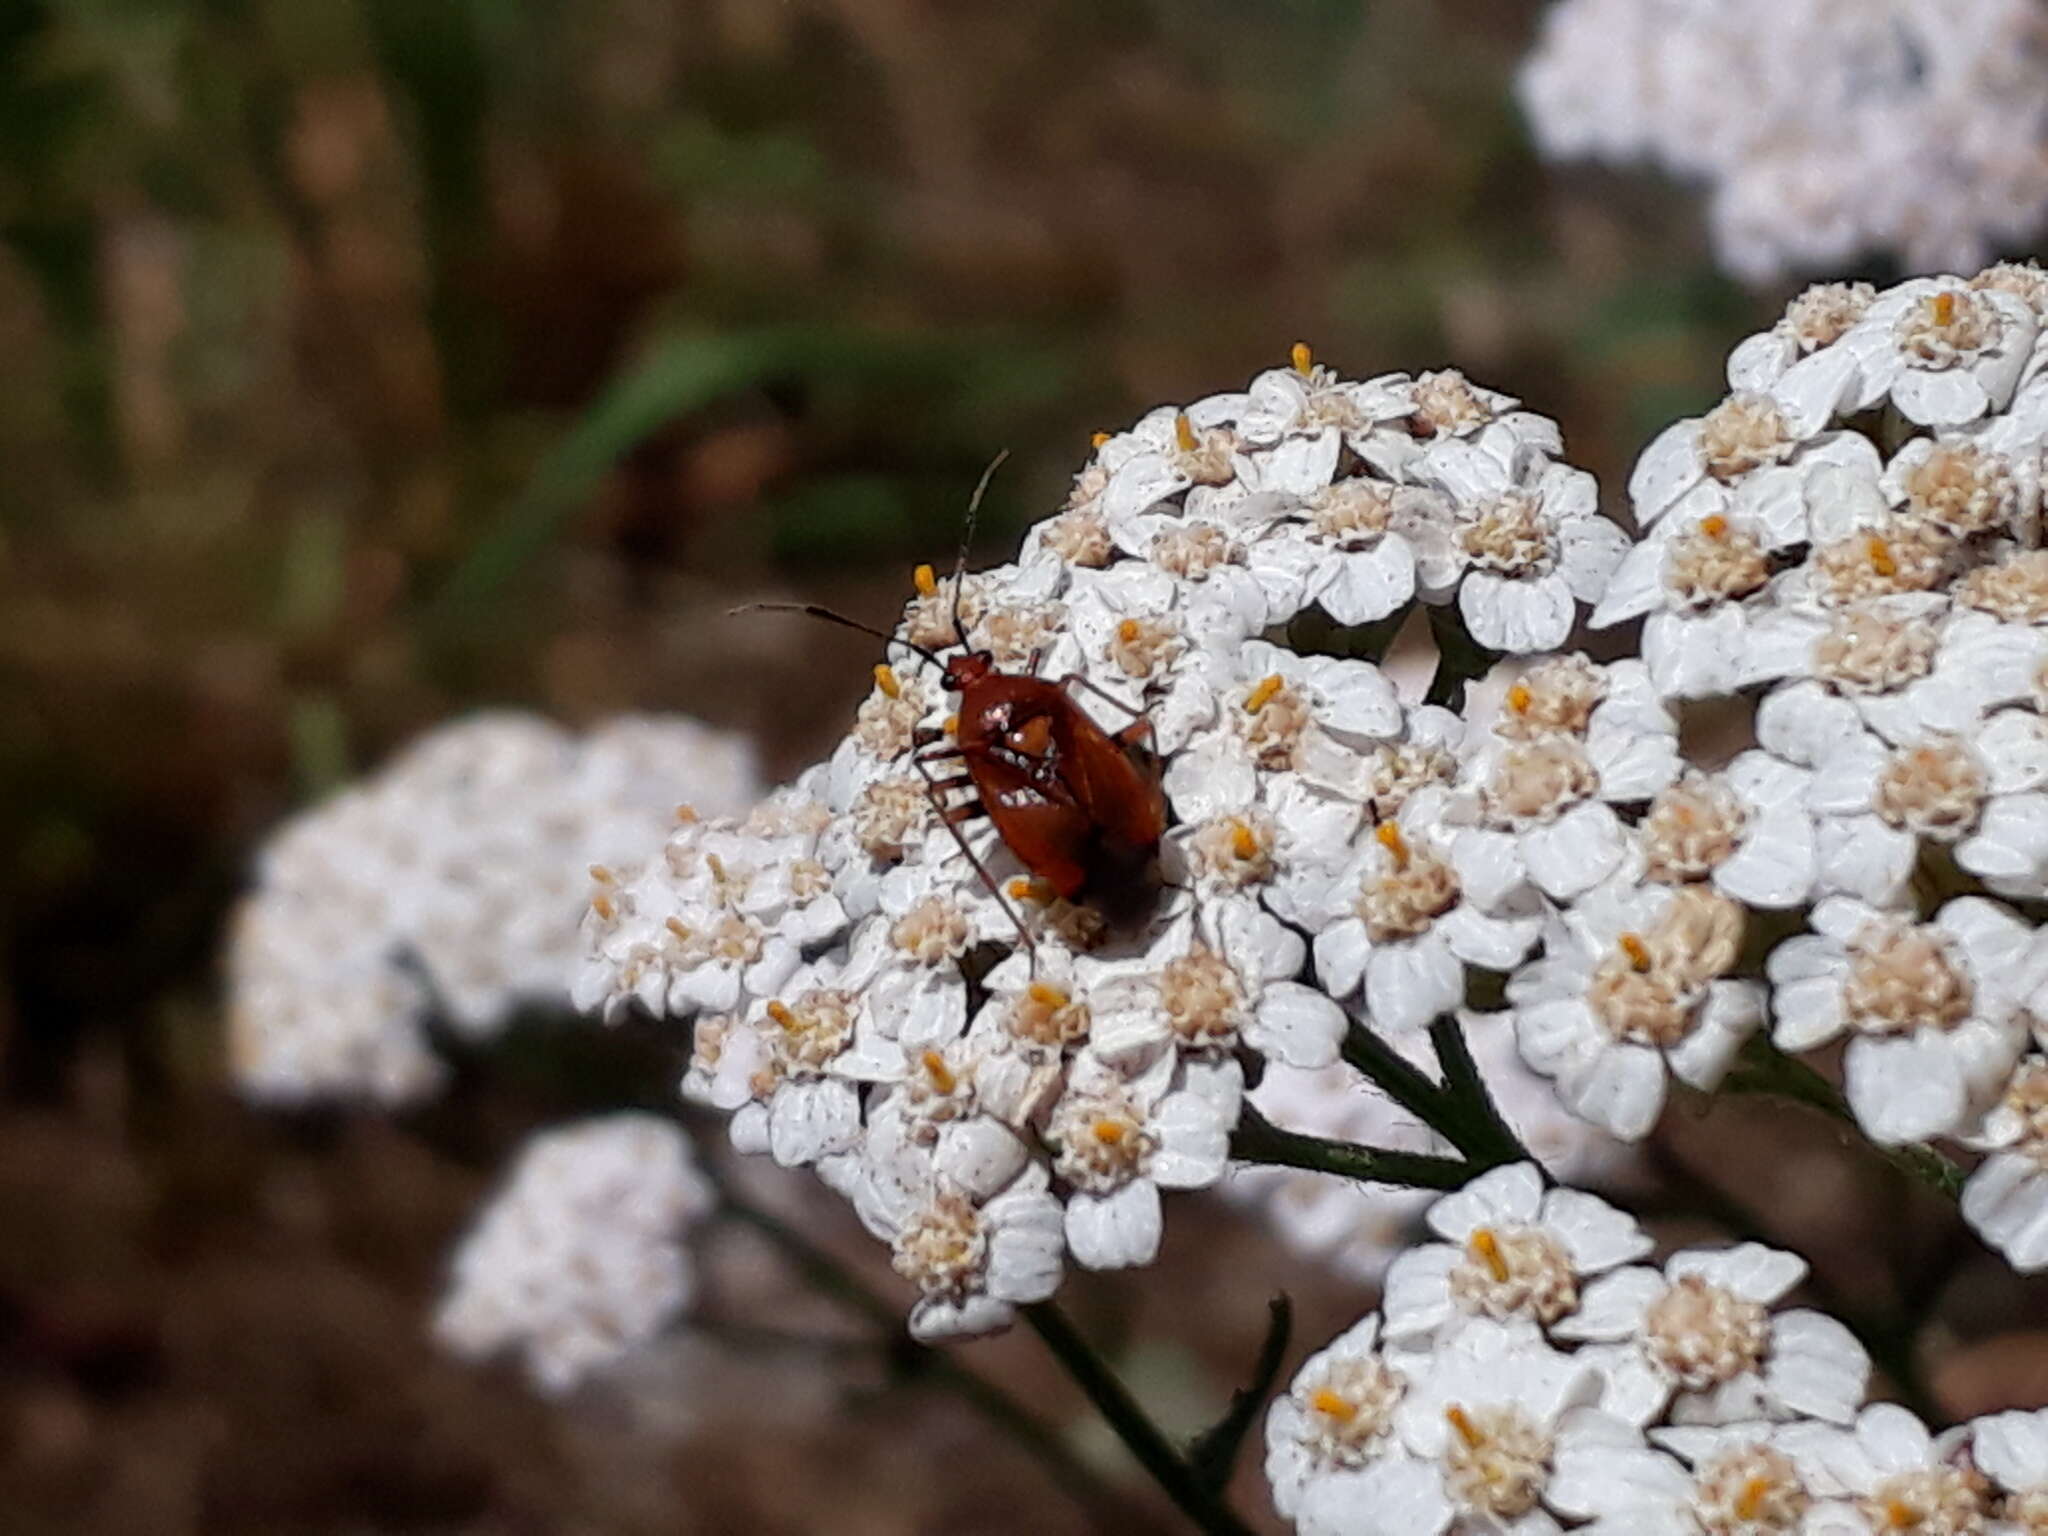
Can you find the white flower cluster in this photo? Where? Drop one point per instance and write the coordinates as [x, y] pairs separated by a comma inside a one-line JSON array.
[[866, 999], [1829, 130], [1849, 549], [1002, 1067], [1530, 1371], [450, 882], [580, 1257]]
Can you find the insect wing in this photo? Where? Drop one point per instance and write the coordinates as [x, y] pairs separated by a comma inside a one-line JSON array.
[[1049, 838], [1108, 782]]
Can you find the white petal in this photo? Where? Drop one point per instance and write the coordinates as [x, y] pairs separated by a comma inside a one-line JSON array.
[[1944, 399], [1297, 1025], [1596, 1235], [1115, 1231], [1752, 1271], [2012, 1448], [1357, 702], [1417, 1297], [1906, 1088], [1667, 469], [1193, 1143], [1613, 1306], [1636, 587], [1776, 863], [1621, 1089], [1804, 724], [1816, 1367], [1370, 584], [1575, 852], [1516, 617], [1341, 952], [1503, 1197], [2006, 1201], [1408, 983]]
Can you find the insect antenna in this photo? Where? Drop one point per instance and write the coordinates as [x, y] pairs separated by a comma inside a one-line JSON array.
[[967, 536], [816, 612]]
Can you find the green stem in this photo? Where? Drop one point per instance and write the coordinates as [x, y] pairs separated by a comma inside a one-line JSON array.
[[835, 1279], [1395, 1076], [1765, 1069], [1493, 1140], [1459, 1109], [1460, 658], [1158, 1455], [1258, 1140]]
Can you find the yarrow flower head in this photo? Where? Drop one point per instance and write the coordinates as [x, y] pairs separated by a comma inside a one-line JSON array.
[[448, 884], [1883, 128], [1528, 1375], [580, 1257], [891, 978]]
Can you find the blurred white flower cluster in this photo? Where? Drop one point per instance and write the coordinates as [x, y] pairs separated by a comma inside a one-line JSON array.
[[1530, 1371], [1829, 130], [580, 1256], [450, 882]]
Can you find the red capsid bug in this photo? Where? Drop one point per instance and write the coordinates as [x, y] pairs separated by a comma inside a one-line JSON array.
[[1080, 807]]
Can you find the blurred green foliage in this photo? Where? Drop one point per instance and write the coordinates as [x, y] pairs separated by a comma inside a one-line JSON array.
[[369, 359]]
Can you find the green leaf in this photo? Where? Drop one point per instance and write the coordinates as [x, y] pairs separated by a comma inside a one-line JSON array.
[[681, 374]]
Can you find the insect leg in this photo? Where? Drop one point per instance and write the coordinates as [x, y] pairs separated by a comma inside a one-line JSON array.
[[953, 826]]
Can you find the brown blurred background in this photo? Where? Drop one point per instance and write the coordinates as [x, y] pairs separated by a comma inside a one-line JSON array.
[[365, 360]]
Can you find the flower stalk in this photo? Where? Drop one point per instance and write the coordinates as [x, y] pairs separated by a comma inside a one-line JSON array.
[[836, 1280], [1258, 1140], [1145, 1440]]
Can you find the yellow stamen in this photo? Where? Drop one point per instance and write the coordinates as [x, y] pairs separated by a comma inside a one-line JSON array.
[[885, 679], [717, 867], [1128, 631], [1028, 888], [1110, 1133], [1714, 526], [1184, 433], [780, 1013], [1749, 1503], [1881, 558], [1638, 952], [604, 906], [926, 582], [1262, 695], [1520, 698], [1486, 1247], [1944, 307], [686, 814], [1302, 358], [952, 725], [1898, 1514], [1461, 1421], [941, 1075], [1097, 439], [675, 926], [1333, 1405], [1046, 996], [1244, 842], [1390, 838], [602, 875]]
